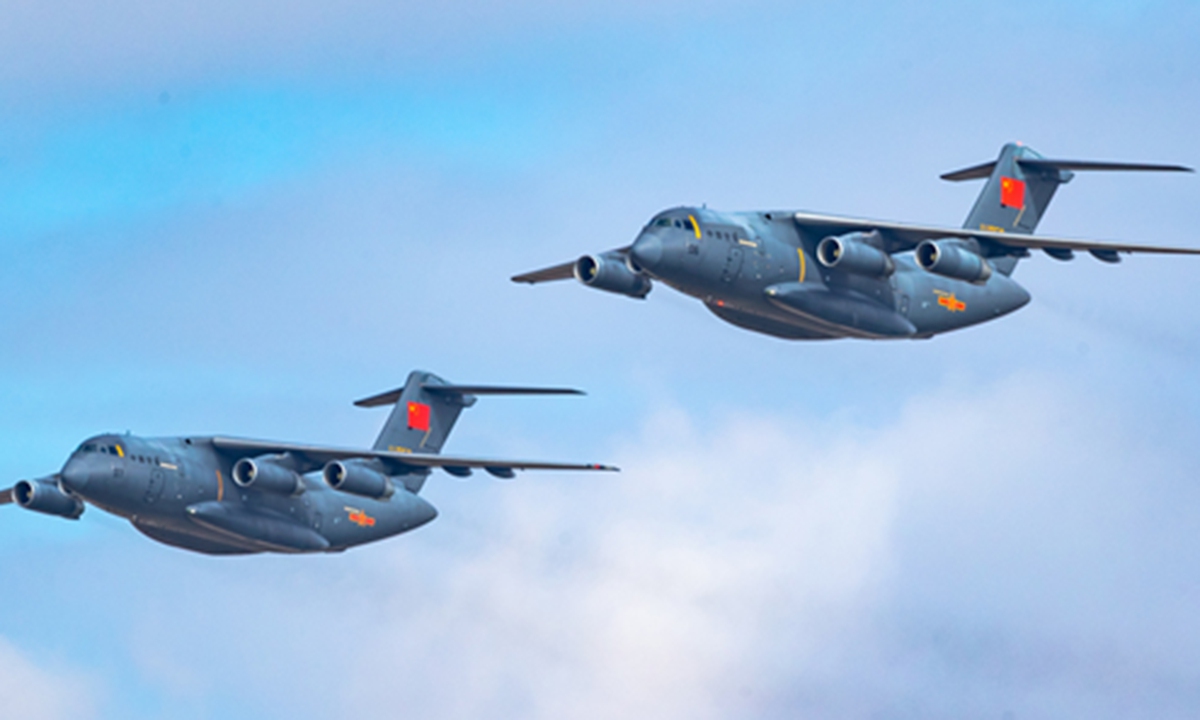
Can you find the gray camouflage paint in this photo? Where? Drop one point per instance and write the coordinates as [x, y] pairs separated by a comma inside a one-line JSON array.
[[742, 261], [762, 270], [181, 490]]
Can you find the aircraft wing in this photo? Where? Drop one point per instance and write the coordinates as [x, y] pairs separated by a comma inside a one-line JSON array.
[[6, 496], [315, 456], [565, 271], [906, 236], [562, 271]]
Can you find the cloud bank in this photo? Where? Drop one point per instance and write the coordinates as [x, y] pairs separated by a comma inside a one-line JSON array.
[[1014, 549]]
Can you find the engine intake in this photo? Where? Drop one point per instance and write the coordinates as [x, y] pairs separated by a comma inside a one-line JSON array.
[[353, 476], [609, 272], [265, 473], [954, 259], [46, 496], [857, 252]]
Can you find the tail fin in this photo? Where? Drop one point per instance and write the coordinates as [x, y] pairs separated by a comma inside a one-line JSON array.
[[1021, 184], [427, 408]]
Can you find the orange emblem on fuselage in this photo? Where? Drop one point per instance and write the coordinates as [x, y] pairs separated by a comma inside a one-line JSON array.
[[951, 303], [360, 517]]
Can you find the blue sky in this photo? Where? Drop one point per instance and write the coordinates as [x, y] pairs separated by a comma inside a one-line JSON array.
[[241, 217]]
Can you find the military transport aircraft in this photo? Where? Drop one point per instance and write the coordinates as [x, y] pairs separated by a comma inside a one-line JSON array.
[[229, 496], [809, 276]]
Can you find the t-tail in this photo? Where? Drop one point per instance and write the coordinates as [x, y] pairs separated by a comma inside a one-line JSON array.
[[427, 408], [1020, 185]]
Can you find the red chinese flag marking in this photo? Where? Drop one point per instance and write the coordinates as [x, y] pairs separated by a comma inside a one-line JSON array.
[[1012, 192], [418, 416]]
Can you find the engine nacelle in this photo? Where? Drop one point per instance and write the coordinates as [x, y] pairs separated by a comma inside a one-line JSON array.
[[266, 474], [609, 272], [857, 253], [953, 258], [353, 476], [46, 496]]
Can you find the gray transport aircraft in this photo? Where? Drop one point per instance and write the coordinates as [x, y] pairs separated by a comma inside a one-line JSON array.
[[230, 496], [810, 276]]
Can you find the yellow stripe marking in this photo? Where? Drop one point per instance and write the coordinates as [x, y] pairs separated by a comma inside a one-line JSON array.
[[695, 225], [803, 264], [220, 486], [120, 451]]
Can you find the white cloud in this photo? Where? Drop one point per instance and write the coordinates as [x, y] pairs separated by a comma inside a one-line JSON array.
[[31, 692], [1014, 545], [766, 567]]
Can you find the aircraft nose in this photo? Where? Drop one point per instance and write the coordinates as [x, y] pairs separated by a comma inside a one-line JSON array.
[[75, 476], [647, 251]]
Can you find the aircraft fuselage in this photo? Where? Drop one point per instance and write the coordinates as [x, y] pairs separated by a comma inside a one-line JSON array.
[[180, 491], [814, 276], [757, 270]]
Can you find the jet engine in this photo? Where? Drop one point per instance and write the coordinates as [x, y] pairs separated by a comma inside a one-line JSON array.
[[857, 253], [609, 271], [353, 476], [265, 473], [46, 496], [954, 259]]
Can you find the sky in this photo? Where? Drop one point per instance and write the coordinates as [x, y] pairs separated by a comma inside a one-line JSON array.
[[238, 217]]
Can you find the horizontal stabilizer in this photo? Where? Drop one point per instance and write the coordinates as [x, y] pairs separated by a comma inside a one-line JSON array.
[[498, 390], [1044, 164], [975, 172], [979, 172], [392, 396]]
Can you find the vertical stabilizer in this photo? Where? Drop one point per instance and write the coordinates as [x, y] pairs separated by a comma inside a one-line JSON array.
[[1016, 194], [1020, 185], [422, 418], [427, 408], [1014, 197]]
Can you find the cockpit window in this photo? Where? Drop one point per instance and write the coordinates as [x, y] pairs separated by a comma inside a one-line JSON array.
[[687, 224], [88, 447], [663, 222]]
